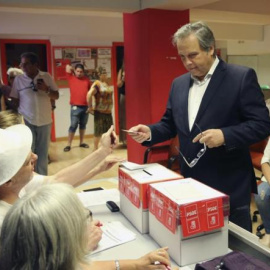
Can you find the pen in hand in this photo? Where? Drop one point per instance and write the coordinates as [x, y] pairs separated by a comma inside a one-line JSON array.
[[167, 266]]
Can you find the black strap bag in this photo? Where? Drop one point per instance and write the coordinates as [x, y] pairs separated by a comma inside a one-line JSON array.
[[235, 260]]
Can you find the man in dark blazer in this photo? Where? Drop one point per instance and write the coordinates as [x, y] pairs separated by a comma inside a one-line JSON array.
[[217, 110]]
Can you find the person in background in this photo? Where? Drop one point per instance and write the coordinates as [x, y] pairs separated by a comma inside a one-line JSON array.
[[79, 86], [17, 162], [100, 104], [33, 92], [263, 198], [6, 89], [122, 103], [55, 214], [217, 110]]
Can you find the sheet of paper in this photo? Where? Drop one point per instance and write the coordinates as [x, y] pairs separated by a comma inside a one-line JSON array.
[[132, 166], [149, 172], [114, 234], [160, 172], [100, 197], [185, 191], [188, 190]]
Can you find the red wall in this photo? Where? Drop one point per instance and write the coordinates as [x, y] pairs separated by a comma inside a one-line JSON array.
[[151, 63]]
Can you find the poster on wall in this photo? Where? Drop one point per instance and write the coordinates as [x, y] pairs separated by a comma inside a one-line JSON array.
[[104, 53], [58, 54], [83, 53], [92, 58], [69, 53], [89, 64], [105, 63]]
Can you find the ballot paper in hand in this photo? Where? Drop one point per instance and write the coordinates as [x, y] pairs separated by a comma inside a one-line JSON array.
[[114, 234]]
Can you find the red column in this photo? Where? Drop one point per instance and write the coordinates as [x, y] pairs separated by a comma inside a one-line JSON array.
[[151, 63]]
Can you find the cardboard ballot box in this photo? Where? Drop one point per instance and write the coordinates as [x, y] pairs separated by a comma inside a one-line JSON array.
[[133, 186], [190, 218]]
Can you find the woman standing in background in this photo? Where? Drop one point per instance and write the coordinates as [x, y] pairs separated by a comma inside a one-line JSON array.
[[263, 197], [100, 104]]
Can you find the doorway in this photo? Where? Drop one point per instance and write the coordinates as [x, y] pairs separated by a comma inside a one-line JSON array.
[[11, 49]]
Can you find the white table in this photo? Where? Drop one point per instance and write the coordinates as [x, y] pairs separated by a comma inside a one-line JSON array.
[[130, 250], [144, 243]]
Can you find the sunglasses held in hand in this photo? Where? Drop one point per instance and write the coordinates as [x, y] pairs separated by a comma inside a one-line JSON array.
[[199, 155]]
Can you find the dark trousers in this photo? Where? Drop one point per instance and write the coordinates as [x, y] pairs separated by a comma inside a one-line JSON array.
[[241, 217]]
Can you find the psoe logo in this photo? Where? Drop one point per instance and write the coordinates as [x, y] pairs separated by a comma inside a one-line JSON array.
[[211, 209], [192, 213]]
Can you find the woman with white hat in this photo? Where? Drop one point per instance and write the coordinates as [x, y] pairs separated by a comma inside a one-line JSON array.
[[17, 175]]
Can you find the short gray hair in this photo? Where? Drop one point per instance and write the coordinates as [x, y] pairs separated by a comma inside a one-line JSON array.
[[203, 33], [46, 229]]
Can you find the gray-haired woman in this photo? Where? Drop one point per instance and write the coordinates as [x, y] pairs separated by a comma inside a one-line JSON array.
[[49, 229]]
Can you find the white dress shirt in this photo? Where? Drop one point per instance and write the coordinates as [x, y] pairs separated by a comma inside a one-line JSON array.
[[196, 93], [35, 106]]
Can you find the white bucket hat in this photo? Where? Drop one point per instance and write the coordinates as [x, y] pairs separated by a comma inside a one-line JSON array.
[[15, 145]]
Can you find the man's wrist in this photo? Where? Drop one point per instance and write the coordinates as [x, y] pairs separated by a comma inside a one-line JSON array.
[[150, 137]]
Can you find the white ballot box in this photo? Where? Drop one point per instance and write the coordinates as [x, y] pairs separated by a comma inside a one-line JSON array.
[[190, 218], [133, 187]]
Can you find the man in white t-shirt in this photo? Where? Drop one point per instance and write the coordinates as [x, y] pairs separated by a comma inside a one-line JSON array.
[[33, 92], [17, 165]]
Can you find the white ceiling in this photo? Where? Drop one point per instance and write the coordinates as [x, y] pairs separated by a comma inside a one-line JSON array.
[[236, 11]]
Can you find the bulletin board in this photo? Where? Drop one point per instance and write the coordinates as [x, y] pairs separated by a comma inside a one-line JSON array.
[[93, 58]]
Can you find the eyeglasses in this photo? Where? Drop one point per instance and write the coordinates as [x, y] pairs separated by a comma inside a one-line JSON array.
[[33, 86], [199, 155], [89, 215]]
